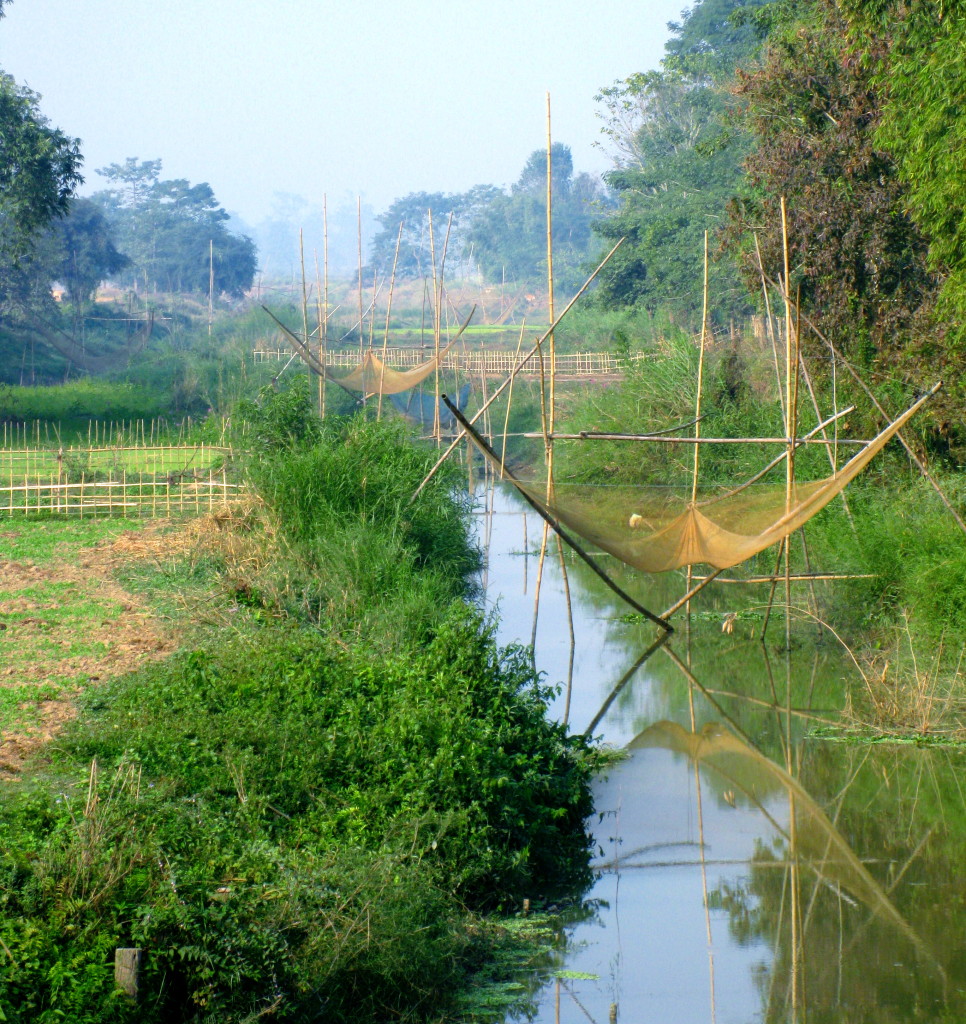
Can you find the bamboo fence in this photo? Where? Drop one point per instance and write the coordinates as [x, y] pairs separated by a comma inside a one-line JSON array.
[[134, 481], [572, 364]]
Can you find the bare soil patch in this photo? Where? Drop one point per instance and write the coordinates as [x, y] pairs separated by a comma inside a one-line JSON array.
[[65, 626]]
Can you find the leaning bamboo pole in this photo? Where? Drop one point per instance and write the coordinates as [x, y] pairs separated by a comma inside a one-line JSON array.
[[519, 366]]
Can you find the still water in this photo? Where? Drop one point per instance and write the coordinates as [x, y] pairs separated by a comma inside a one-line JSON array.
[[749, 866]]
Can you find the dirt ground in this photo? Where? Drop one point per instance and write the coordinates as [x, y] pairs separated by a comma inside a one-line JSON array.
[[118, 634]]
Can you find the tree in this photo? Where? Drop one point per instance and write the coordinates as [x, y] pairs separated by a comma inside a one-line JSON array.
[[859, 262], [413, 213], [86, 251], [678, 163], [173, 232], [39, 168], [508, 234], [913, 55]]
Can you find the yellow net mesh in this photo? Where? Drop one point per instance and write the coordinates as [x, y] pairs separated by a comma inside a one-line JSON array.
[[373, 377], [657, 529]]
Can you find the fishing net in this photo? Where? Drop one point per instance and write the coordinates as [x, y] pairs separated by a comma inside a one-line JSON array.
[[656, 529], [373, 377]]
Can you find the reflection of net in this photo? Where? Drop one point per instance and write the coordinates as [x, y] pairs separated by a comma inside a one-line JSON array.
[[817, 842], [422, 409], [657, 529]]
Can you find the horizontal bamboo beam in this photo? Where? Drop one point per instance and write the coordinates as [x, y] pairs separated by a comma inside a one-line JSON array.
[[588, 436], [793, 576]]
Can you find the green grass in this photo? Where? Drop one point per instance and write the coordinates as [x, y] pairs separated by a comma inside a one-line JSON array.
[[43, 541]]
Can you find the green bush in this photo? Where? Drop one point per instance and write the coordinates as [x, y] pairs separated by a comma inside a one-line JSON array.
[[283, 822]]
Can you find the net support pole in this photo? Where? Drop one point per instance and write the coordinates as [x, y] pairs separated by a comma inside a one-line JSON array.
[[516, 369], [552, 522]]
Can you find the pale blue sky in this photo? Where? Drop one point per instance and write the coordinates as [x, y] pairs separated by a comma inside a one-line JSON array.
[[310, 96]]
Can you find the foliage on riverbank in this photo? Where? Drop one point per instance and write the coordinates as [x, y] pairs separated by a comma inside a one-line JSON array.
[[304, 812]]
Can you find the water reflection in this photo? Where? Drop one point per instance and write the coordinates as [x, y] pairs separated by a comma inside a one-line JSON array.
[[747, 867]]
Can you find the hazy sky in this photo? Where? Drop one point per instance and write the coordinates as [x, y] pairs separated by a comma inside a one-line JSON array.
[[310, 96]]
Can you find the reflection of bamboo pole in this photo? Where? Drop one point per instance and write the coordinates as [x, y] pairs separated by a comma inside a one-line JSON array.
[[570, 627], [623, 681], [509, 400], [385, 337]]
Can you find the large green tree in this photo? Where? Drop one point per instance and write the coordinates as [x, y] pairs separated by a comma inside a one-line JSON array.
[[507, 236], [85, 253], [858, 262], [914, 54], [678, 163], [173, 232], [417, 244]]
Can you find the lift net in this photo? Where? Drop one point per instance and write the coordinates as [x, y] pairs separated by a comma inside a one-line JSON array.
[[656, 529], [373, 377]]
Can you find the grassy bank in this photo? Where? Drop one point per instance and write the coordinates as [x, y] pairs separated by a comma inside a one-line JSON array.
[[304, 813]]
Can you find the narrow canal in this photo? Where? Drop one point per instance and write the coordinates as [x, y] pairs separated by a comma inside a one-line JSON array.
[[749, 865]]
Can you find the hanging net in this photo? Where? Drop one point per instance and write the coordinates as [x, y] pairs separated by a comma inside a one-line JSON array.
[[656, 529], [371, 376]]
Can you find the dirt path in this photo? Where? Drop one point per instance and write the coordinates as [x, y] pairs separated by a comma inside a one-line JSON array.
[[64, 626]]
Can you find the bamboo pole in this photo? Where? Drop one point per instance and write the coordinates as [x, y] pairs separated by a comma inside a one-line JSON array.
[[385, 337], [697, 412], [359, 249], [321, 316], [305, 295], [516, 370], [770, 329], [325, 300], [790, 425], [432, 257]]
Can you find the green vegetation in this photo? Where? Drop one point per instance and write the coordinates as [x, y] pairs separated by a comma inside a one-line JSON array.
[[307, 809]]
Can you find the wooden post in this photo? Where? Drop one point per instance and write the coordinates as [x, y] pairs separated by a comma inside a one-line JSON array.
[[127, 970]]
